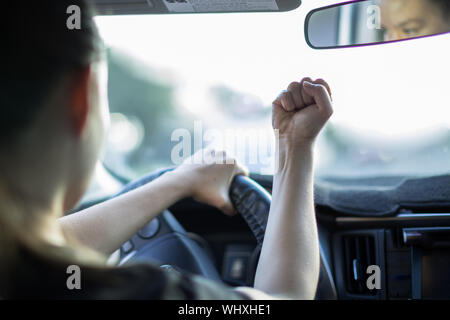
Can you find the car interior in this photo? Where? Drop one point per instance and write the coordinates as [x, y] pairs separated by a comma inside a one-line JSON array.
[[382, 198]]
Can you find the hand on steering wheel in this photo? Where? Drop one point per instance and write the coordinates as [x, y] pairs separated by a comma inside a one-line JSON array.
[[208, 175], [248, 198]]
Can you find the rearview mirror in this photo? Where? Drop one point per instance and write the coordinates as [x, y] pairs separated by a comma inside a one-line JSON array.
[[368, 22]]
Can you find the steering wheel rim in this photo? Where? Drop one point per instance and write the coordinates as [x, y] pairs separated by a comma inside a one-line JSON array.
[[252, 202]]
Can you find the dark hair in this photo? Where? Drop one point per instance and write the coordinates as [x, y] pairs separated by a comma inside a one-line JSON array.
[[38, 51]]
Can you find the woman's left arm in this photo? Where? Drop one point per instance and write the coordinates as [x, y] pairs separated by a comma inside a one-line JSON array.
[[105, 227]]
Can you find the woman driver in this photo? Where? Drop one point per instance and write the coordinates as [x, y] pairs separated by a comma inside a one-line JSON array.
[[53, 115], [403, 19]]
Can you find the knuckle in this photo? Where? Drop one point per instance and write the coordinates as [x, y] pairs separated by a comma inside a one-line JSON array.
[[284, 95], [222, 204], [320, 80], [293, 86], [279, 99], [320, 87]]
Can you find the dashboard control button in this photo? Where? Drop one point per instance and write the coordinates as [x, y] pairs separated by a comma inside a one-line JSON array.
[[127, 246], [150, 230]]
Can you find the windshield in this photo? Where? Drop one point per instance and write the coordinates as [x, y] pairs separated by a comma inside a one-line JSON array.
[[182, 82]]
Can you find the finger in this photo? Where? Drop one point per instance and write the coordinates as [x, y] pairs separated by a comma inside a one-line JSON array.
[[277, 101], [321, 97], [307, 99], [295, 89], [277, 113], [221, 157], [241, 169], [277, 105], [325, 84], [228, 208], [287, 101], [207, 156]]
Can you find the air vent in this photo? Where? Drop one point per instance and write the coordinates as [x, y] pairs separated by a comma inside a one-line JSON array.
[[359, 253]]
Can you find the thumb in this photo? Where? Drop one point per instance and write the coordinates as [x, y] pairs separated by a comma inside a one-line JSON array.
[[227, 207], [321, 96]]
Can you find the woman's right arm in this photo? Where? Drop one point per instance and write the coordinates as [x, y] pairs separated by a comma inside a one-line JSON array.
[[290, 258]]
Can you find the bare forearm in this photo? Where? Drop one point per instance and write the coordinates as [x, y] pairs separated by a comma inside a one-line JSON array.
[[290, 261], [105, 227]]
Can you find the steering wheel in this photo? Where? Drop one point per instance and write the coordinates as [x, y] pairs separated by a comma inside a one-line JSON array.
[[165, 242]]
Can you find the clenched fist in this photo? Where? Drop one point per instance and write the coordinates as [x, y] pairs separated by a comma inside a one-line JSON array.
[[300, 112]]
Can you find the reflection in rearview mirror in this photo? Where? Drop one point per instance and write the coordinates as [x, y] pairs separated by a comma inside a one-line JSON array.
[[376, 21]]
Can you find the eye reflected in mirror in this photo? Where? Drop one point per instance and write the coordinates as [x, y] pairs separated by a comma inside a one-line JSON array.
[[376, 21]]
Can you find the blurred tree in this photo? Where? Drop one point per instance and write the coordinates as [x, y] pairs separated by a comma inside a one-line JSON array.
[[239, 104], [137, 93], [340, 144]]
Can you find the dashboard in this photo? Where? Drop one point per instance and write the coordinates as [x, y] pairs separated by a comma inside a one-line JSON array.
[[399, 256], [367, 256], [410, 252]]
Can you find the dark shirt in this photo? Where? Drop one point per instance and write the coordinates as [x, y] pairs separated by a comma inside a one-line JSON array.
[[41, 278]]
